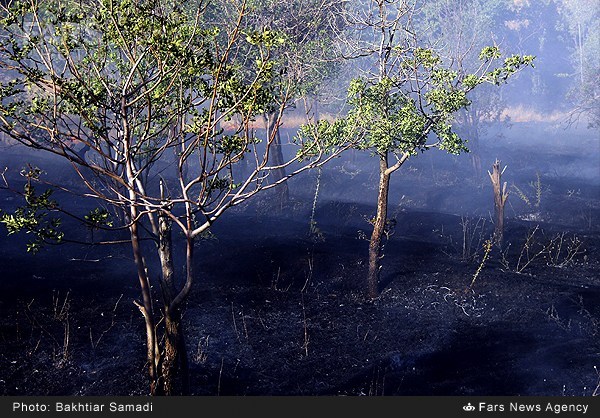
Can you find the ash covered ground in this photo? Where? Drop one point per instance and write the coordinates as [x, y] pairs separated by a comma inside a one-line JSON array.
[[276, 310]]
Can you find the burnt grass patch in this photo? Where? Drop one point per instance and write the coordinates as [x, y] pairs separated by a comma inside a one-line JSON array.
[[278, 311]]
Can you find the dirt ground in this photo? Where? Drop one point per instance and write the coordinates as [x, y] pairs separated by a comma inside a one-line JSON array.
[[279, 311]]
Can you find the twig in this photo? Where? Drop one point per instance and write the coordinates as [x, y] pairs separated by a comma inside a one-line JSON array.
[[112, 324], [306, 337], [237, 334], [220, 374], [487, 248]]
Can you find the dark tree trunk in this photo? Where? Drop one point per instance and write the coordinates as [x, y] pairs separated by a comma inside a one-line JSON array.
[[173, 368], [378, 229], [146, 307], [474, 149]]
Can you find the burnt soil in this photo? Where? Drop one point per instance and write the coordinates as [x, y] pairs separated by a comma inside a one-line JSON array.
[[276, 310]]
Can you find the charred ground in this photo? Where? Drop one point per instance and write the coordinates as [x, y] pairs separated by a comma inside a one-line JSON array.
[[279, 311]]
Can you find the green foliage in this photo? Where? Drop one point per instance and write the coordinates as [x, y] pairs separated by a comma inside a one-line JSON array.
[[537, 189], [113, 48], [387, 116], [323, 137], [387, 119], [231, 144], [466, 32], [303, 34], [98, 218], [221, 184], [129, 80], [511, 65], [425, 57], [489, 53], [33, 218], [268, 38]]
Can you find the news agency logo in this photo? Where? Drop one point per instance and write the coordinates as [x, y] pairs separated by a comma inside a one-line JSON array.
[[468, 407]]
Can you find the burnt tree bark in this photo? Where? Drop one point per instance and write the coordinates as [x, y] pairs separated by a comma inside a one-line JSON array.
[[381, 221], [500, 196], [378, 229], [145, 307], [174, 367], [174, 372]]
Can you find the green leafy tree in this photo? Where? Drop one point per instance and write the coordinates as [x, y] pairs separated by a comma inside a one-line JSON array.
[[460, 29], [121, 89], [306, 30], [34, 218], [406, 103]]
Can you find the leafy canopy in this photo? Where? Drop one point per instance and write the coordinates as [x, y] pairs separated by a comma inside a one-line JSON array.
[[397, 113]]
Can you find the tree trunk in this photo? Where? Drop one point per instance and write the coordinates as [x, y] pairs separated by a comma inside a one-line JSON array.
[[468, 130], [476, 155], [500, 196], [276, 158], [173, 368], [378, 229], [472, 129], [146, 306], [476, 162]]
